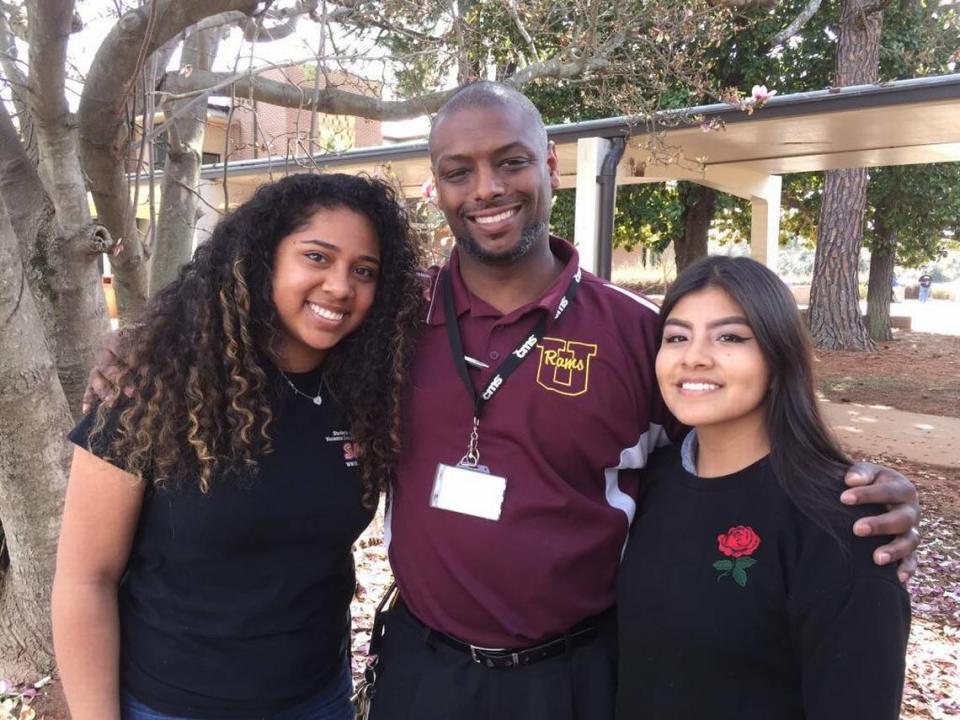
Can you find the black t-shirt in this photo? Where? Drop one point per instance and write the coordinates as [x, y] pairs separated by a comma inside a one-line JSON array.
[[926, 281], [733, 604], [236, 603]]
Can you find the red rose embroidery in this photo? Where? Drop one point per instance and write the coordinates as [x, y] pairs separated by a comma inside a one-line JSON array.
[[738, 541]]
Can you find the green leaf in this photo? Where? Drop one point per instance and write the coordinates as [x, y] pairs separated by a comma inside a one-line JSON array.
[[745, 562], [723, 565], [740, 576]]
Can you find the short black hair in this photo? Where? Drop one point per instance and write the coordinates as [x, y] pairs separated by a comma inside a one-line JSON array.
[[483, 94]]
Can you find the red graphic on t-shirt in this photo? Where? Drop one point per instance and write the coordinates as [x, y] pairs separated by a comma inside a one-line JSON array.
[[738, 542], [349, 451]]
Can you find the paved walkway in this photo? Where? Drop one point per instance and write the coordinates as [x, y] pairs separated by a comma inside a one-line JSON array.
[[872, 429]]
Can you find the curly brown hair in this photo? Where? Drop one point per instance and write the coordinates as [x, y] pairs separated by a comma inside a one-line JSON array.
[[201, 406]]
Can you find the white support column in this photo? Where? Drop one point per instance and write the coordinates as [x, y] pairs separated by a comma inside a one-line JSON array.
[[765, 223], [590, 154]]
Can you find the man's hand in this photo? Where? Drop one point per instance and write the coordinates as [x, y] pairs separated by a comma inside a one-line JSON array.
[[102, 382], [874, 484]]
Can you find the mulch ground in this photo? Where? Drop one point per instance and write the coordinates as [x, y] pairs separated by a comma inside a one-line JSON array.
[[932, 687], [917, 372]]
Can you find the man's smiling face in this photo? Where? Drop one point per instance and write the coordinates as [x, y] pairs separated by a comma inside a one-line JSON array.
[[495, 176]]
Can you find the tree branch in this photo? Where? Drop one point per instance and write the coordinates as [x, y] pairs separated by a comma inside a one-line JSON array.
[[231, 17], [18, 83], [105, 95], [49, 27], [289, 19], [797, 24], [515, 14], [20, 186], [329, 100], [104, 131]]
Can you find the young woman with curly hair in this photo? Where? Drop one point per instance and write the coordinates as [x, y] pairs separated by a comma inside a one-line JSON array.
[[205, 567]]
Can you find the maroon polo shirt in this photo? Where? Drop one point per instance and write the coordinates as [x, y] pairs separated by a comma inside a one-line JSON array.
[[569, 430]]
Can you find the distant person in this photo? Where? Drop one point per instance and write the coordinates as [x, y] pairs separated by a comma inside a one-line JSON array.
[[742, 593], [926, 282]]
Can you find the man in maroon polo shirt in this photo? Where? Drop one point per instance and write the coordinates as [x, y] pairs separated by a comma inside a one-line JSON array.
[[532, 407]]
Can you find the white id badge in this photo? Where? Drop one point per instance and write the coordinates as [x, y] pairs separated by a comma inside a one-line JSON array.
[[468, 490]]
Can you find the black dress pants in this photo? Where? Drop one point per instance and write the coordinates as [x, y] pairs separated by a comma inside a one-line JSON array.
[[420, 679]]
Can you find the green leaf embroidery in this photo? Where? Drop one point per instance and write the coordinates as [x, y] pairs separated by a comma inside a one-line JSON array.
[[723, 565], [745, 562], [740, 575]]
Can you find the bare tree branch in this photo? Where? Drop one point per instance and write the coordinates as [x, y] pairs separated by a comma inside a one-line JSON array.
[[229, 18], [17, 81], [336, 101], [330, 100], [289, 19], [20, 185], [798, 23], [174, 230], [104, 135], [515, 14], [49, 29]]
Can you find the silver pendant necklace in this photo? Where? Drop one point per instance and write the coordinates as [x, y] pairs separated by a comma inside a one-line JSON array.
[[315, 399]]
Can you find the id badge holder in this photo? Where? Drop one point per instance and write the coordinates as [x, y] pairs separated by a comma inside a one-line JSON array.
[[469, 490]]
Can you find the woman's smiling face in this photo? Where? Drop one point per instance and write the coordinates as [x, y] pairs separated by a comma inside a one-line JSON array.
[[324, 283], [710, 368]]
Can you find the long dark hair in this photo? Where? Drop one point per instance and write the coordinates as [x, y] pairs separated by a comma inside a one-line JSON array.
[[197, 360], [804, 456]]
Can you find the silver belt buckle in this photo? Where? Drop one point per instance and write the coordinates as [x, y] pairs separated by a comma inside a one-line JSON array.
[[514, 657]]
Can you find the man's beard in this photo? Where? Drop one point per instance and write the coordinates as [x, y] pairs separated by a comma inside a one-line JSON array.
[[528, 239]]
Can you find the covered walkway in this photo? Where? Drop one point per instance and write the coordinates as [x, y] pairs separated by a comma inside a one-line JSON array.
[[898, 123]]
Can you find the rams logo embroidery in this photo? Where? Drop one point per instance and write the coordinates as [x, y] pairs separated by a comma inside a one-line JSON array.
[[565, 366]]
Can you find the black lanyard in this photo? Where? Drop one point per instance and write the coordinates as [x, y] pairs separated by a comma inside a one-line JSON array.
[[517, 356]]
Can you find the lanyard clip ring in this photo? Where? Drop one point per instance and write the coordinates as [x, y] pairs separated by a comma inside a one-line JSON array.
[[472, 458]]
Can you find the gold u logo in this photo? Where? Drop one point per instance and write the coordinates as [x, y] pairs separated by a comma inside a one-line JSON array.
[[565, 366]]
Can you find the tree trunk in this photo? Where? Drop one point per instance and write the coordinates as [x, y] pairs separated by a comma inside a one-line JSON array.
[[835, 320], [880, 287], [699, 204], [19, 87], [33, 458], [58, 242], [105, 132], [176, 224]]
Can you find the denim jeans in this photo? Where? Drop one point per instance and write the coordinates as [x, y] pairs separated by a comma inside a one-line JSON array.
[[331, 703]]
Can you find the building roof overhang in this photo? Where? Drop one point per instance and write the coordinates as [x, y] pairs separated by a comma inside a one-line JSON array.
[[896, 123]]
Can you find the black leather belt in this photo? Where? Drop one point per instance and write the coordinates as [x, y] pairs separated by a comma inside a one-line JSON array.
[[500, 658]]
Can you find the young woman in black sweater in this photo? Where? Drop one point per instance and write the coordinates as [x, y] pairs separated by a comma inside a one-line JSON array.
[[205, 566], [741, 594]]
